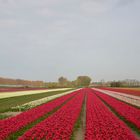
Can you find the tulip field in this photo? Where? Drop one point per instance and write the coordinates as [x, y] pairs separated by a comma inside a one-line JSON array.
[[128, 98], [103, 124], [103, 119], [130, 113], [126, 91]]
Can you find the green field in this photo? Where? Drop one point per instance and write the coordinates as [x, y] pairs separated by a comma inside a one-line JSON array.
[[7, 103]]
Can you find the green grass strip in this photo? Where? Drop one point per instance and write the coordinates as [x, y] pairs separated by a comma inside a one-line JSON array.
[[7, 103], [3, 116]]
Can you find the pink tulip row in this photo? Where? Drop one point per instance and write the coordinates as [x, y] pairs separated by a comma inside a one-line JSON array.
[[58, 126], [102, 124], [11, 125], [130, 113], [126, 91]]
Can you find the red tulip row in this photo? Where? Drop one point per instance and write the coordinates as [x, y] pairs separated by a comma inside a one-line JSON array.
[[59, 126], [130, 113], [102, 124], [14, 124], [126, 91]]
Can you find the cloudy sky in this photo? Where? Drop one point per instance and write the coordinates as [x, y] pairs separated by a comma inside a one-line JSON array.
[[46, 39]]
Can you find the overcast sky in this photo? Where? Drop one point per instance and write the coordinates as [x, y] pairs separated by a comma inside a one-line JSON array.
[[46, 39]]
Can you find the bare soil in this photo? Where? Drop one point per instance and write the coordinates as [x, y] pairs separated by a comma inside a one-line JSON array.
[[80, 133]]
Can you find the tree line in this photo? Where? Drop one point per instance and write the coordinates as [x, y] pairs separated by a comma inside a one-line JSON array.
[[120, 83], [81, 81], [20, 82]]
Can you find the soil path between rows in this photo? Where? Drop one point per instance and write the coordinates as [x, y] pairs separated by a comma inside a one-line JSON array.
[[80, 133]]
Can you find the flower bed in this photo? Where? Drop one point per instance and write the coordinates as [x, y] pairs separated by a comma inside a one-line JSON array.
[[101, 123], [130, 113], [60, 125], [14, 124], [28, 92], [35, 103], [126, 91], [133, 100]]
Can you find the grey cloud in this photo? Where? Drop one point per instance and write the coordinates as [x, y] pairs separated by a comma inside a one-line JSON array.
[[51, 38], [102, 6], [124, 2]]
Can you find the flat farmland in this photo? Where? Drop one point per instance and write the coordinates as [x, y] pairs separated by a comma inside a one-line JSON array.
[[27, 92], [129, 88], [12, 99], [81, 114], [128, 98], [130, 91]]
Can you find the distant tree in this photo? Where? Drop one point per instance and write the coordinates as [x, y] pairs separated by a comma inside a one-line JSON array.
[[115, 84], [63, 82], [52, 85], [83, 81], [21, 82]]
